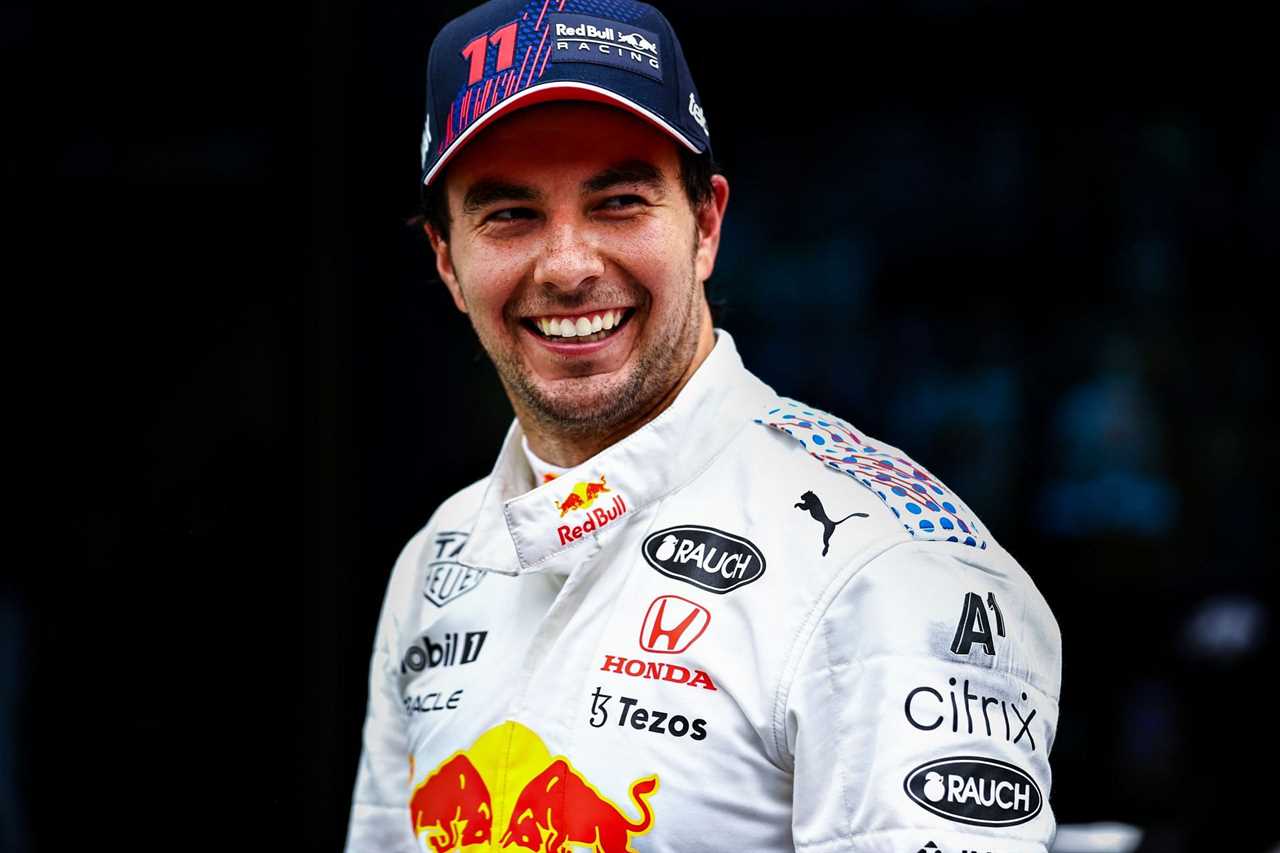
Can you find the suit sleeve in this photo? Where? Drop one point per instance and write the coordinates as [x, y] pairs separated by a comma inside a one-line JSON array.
[[379, 821], [923, 707]]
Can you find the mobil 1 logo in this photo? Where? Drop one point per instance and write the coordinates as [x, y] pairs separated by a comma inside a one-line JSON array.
[[451, 649], [708, 558], [445, 578]]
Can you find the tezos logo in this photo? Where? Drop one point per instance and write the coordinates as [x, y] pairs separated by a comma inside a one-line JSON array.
[[975, 790], [640, 718], [705, 557]]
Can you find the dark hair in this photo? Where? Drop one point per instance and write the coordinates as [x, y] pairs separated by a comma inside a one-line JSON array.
[[695, 175]]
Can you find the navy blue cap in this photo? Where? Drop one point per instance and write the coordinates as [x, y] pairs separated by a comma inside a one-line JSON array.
[[508, 54]]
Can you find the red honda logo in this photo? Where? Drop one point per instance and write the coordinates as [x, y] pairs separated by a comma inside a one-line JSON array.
[[672, 624]]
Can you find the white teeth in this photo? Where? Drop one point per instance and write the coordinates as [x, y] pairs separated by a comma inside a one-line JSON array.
[[572, 327]]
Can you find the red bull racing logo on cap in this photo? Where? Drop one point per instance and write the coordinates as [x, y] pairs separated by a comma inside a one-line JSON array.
[[583, 38], [582, 499], [508, 779]]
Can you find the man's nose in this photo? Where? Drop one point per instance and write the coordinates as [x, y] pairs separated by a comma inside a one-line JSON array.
[[569, 258]]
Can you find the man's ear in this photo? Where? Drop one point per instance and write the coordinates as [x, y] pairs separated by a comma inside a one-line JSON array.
[[444, 265], [709, 217]]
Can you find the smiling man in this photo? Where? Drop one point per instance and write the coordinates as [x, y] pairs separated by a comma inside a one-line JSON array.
[[581, 267], [682, 612]]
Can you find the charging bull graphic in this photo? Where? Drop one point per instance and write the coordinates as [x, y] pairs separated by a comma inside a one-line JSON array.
[[561, 801], [582, 496], [508, 778], [639, 42], [453, 805]]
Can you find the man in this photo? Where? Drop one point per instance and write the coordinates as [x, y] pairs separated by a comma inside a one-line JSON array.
[[682, 613]]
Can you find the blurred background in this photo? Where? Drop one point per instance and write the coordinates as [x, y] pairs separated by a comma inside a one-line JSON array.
[[1028, 244]]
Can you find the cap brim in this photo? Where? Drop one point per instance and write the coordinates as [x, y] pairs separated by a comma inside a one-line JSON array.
[[560, 90]]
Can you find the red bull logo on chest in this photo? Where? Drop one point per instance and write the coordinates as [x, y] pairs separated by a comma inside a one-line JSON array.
[[508, 779], [453, 806]]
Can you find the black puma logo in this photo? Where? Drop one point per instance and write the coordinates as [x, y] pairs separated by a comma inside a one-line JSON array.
[[809, 503]]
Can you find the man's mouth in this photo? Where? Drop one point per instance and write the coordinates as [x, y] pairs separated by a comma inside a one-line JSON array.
[[580, 328]]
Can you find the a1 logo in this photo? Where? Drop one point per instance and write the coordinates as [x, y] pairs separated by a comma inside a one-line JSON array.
[[975, 627]]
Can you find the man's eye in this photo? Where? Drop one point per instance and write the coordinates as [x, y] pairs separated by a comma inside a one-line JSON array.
[[619, 202], [511, 214]]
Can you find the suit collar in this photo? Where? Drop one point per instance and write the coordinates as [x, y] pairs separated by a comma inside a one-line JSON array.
[[522, 527]]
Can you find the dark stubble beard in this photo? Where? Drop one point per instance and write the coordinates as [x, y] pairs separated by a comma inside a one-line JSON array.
[[655, 371]]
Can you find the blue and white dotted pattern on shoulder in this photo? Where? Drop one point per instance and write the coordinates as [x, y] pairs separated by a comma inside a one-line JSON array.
[[926, 508]]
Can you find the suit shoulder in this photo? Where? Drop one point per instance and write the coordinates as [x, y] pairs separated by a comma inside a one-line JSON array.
[[905, 491], [934, 599], [459, 509]]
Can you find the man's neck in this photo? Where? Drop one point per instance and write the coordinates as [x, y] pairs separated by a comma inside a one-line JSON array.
[[568, 451]]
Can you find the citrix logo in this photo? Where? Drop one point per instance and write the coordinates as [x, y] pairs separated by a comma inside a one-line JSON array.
[[921, 711]]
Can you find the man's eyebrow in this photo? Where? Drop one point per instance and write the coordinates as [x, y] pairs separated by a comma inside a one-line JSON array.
[[486, 192], [627, 172]]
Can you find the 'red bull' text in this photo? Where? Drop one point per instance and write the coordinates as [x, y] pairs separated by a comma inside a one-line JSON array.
[[596, 518]]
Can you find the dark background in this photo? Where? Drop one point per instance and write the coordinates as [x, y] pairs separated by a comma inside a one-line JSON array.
[[1032, 246]]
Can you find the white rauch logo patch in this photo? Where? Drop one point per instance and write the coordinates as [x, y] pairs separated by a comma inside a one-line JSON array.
[[695, 110]]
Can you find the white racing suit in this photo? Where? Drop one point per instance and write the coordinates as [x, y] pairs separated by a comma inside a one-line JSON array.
[[747, 626]]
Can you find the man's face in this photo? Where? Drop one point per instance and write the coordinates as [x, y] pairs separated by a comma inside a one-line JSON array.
[[575, 252]]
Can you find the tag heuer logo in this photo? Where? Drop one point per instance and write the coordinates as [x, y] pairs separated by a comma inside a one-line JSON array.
[[446, 579]]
